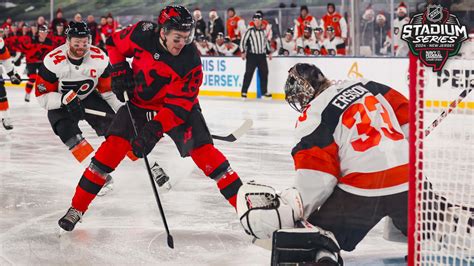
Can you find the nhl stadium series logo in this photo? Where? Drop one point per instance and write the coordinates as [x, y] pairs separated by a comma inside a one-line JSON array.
[[434, 35]]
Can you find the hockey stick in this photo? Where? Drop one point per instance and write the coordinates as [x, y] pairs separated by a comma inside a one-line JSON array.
[[239, 132], [279, 34], [445, 113], [150, 174]]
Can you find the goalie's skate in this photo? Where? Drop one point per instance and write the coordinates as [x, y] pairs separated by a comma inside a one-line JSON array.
[[161, 178], [70, 219], [108, 186]]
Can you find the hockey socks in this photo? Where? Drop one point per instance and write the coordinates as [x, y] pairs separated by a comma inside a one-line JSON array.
[[110, 153], [214, 165]]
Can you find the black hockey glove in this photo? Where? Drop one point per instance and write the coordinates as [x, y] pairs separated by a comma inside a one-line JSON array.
[[122, 80], [144, 143], [14, 77], [74, 107]]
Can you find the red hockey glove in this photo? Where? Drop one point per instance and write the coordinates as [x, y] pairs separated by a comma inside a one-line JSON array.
[[144, 143], [122, 80]]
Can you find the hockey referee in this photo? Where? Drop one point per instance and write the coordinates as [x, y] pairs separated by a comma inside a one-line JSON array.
[[255, 46]]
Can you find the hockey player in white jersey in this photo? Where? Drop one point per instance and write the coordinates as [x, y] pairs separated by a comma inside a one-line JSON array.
[[351, 161], [6, 61], [80, 67], [287, 46]]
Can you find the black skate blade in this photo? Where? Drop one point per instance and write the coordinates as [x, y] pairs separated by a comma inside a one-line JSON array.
[[170, 242]]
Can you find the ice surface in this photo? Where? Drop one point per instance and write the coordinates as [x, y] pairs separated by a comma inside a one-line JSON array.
[[38, 176]]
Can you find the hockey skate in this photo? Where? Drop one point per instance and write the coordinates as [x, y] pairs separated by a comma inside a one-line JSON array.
[[70, 219], [161, 178], [7, 123], [108, 186], [27, 97]]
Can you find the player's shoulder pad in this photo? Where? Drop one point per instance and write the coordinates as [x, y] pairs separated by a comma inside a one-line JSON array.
[[191, 51], [52, 61], [142, 31], [100, 62]]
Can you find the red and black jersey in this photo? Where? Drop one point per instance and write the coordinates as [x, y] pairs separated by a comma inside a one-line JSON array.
[[13, 42], [164, 83], [58, 40], [35, 50]]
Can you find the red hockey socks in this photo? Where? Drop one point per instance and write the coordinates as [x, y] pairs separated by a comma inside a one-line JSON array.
[[110, 153], [214, 165]]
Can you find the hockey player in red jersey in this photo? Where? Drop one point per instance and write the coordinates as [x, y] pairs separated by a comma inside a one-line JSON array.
[[351, 161], [163, 85], [84, 69], [34, 51], [6, 61]]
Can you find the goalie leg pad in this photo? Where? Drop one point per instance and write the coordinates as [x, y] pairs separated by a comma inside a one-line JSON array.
[[262, 211]]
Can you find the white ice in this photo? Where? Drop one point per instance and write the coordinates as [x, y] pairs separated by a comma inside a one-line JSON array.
[[38, 176]]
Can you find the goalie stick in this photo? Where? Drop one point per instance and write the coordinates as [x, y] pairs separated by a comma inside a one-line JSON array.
[[239, 132]]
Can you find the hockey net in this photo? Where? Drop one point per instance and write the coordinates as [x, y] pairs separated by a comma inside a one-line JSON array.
[[441, 198]]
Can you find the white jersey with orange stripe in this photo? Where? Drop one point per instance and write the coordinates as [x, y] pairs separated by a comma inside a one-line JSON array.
[[350, 136], [60, 74]]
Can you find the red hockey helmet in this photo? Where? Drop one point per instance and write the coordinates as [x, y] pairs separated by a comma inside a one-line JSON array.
[[177, 18]]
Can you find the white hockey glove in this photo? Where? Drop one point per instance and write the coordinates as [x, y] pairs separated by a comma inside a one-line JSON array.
[[262, 211]]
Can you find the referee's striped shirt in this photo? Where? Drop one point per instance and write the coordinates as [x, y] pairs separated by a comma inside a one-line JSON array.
[[255, 42]]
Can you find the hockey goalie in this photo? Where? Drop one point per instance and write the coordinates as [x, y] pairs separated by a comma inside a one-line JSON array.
[[351, 161]]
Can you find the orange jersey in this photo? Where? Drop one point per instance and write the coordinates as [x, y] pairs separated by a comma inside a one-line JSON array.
[[233, 28], [301, 23], [351, 136], [4, 53], [337, 21]]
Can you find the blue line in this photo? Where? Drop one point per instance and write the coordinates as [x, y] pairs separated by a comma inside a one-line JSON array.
[[259, 90]]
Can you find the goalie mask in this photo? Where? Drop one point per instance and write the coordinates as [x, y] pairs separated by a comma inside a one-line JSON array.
[[304, 83], [262, 211]]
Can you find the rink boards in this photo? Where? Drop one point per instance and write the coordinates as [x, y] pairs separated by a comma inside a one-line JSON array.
[[223, 76]]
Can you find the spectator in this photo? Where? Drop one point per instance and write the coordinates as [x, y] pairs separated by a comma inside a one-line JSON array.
[[200, 23], [94, 28], [34, 32], [77, 17], [235, 26], [216, 25], [333, 45], [266, 26], [109, 27], [319, 35], [306, 44], [103, 22], [287, 45], [204, 46], [228, 48], [367, 31], [59, 19], [382, 35], [304, 20], [335, 20], [399, 45], [58, 37], [7, 24], [41, 21], [255, 46]]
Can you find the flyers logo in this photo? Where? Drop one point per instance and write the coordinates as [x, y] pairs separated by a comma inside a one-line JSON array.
[[81, 87]]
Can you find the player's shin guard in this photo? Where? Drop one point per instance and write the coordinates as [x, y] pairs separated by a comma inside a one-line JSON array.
[[106, 159], [214, 165]]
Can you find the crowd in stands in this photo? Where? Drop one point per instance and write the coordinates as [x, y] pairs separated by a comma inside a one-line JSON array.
[[309, 36]]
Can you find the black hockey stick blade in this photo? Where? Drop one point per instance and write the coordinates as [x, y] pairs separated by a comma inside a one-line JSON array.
[[237, 133], [170, 241]]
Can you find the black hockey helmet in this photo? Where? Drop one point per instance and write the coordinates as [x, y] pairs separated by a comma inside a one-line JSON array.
[[304, 83], [177, 18], [78, 29], [290, 31]]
